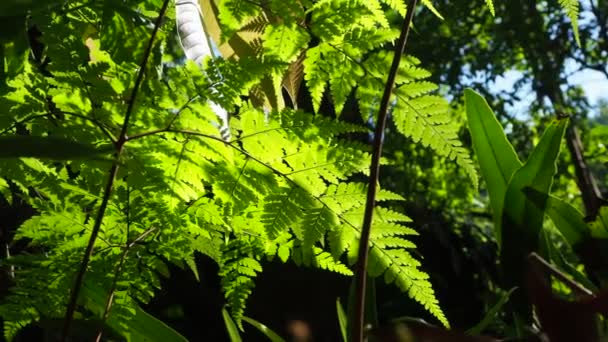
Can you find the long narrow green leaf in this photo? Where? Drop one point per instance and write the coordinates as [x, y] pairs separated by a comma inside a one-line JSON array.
[[342, 320], [498, 161], [143, 327], [522, 219], [231, 328], [272, 336], [491, 314], [567, 219], [537, 174], [497, 158]]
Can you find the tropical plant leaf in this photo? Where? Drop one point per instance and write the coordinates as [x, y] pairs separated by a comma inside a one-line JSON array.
[[272, 336], [231, 328], [491, 314], [342, 320], [522, 216], [566, 218], [497, 158], [522, 219], [142, 327]]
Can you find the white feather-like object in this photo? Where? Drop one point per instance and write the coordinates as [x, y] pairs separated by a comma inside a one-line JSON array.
[[197, 46]]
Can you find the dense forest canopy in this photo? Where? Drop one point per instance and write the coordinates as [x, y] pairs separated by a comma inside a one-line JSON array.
[[305, 170]]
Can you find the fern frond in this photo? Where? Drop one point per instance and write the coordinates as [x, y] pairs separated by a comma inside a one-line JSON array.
[[233, 14], [397, 5], [282, 187], [319, 258], [428, 4], [326, 261], [490, 4], [343, 197], [417, 115], [384, 229], [425, 119], [316, 223], [388, 254], [284, 209], [256, 25], [400, 267], [237, 269], [342, 26], [285, 42], [316, 74], [571, 7]]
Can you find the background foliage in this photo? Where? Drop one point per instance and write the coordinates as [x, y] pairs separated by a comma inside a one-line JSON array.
[[108, 127]]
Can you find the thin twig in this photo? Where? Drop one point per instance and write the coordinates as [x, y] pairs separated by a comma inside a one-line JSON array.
[[110, 299], [361, 270], [574, 286], [73, 300]]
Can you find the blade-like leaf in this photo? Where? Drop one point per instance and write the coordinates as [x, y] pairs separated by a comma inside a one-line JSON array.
[[567, 219], [272, 336], [498, 161], [522, 219], [47, 147], [143, 327], [497, 158], [342, 320], [537, 174], [231, 328], [491, 314]]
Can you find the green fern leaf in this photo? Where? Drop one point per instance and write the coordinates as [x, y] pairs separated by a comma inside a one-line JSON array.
[[397, 5], [315, 75], [285, 42], [316, 223], [428, 4], [326, 261], [490, 4], [237, 269], [384, 229], [400, 267], [417, 114], [425, 120], [572, 10], [283, 210], [233, 14]]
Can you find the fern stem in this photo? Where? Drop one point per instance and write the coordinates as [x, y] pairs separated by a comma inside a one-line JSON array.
[[122, 139], [363, 255]]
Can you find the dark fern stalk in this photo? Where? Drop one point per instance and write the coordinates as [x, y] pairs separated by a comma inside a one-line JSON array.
[[363, 255], [119, 145]]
